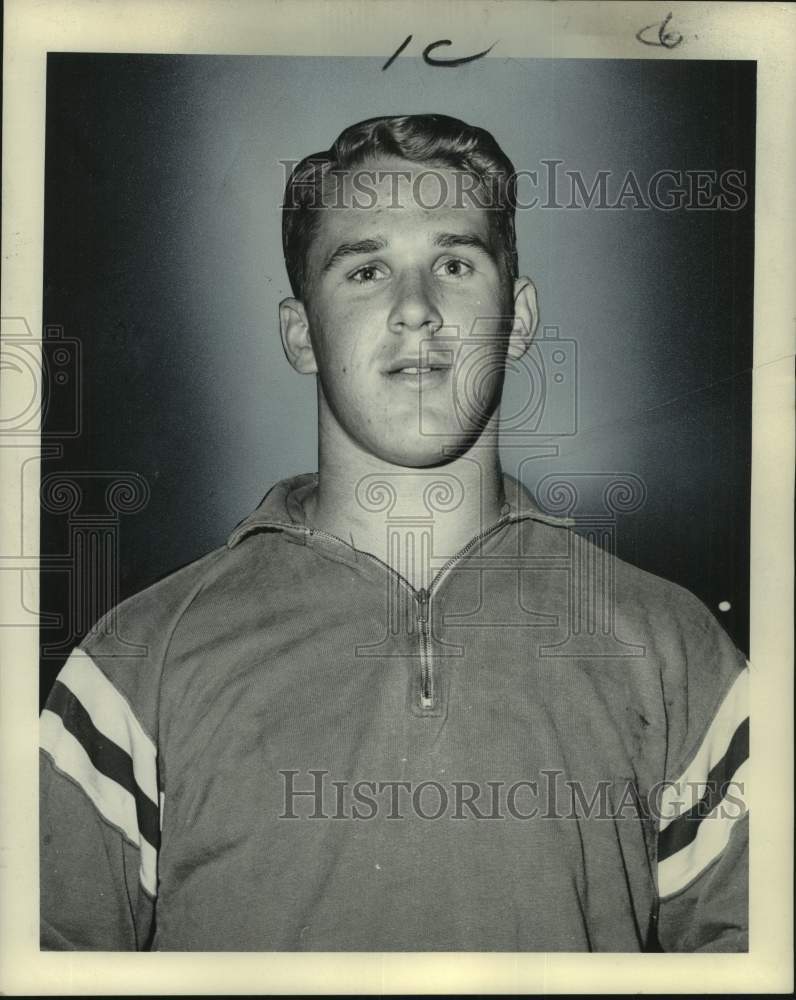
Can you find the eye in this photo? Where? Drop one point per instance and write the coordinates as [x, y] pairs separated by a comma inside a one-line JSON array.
[[367, 274], [453, 267]]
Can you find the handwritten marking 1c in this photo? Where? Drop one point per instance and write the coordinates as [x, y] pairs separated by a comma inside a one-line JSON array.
[[665, 39], [430, 60]]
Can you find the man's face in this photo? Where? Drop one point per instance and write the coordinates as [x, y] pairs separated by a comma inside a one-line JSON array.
[[408, 318]]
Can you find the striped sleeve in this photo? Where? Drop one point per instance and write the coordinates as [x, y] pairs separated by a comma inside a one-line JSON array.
[[701, 808], [703, 835], [100, 819]]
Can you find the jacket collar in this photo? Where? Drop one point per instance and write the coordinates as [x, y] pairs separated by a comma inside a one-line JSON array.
[[282, 508]]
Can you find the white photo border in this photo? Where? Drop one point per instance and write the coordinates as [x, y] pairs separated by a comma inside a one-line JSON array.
[[759, 31]]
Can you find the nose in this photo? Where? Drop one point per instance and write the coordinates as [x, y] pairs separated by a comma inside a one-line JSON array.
[[414, 308]]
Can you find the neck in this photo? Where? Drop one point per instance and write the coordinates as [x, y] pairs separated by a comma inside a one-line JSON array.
[[413, 519]]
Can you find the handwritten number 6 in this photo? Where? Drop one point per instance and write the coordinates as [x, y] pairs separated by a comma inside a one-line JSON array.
[[666, 39]]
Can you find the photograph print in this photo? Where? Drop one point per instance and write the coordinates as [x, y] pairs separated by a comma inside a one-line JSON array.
[[395, 503]]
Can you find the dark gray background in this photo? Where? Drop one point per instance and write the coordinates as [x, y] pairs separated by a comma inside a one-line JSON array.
[[163, 258]]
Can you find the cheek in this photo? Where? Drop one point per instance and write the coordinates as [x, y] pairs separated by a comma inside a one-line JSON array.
[[350, 350], [480, 320], [345, 372], [480, 373], [335, 330]]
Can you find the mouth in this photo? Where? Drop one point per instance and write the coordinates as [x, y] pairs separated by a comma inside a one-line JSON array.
[[425, 376]]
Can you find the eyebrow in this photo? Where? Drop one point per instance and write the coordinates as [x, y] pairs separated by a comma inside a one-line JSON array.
[[352, 250], [452, 240], [447, 241]]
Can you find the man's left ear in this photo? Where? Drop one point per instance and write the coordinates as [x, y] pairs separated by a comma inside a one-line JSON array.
[[526, 317]]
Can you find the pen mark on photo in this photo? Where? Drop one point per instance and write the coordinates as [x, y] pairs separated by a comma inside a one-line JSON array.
[[430, 60], [397, 52], [451, 62], [664, 39]]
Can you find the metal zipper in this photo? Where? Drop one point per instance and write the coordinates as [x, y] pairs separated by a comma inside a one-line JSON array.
[[421, 597], [426, 664]]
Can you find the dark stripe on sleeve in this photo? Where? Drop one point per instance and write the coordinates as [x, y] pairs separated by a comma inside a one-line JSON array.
[[106, 756], [682, 831]]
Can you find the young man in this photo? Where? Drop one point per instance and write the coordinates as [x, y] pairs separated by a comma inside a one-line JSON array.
[[386, 715]]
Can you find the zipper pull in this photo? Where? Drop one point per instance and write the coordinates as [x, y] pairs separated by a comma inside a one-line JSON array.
[[422, 600]]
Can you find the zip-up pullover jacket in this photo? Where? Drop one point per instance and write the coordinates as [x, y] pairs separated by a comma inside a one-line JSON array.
[[283, 746]]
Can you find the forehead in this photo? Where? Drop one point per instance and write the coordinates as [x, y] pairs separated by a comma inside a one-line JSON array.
[[401, 197]]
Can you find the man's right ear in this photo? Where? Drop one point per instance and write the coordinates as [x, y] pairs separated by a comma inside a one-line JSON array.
[[295, 330]]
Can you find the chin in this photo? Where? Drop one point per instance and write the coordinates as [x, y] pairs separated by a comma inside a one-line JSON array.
[[426, 452]]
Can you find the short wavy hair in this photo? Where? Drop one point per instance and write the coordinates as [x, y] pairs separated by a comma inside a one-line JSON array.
[[436, 140]]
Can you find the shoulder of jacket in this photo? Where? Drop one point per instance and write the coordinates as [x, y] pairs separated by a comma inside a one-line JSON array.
[[668, 601], [152, 614]]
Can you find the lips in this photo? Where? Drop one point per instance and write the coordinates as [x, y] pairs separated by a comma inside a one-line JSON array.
[[411, 366], [420, 378], [416, 370]]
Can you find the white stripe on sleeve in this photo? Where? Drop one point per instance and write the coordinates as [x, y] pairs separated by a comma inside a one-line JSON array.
[[113, 717], [685, 792], [677, 871], [112, 801]]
